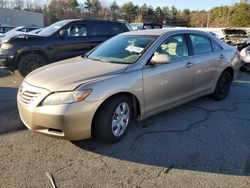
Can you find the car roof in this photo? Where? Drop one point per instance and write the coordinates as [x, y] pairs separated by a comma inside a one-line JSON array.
[[89, 20], [158, 32]]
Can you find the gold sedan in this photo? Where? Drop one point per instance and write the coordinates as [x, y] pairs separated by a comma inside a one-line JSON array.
[[132, 75]]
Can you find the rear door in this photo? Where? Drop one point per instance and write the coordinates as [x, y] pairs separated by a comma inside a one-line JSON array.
[[97, 33], [169, 84], [208, 56]]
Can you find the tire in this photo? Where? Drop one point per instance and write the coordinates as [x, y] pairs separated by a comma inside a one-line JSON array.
[[29, 63], [109, 124], [223, 86]]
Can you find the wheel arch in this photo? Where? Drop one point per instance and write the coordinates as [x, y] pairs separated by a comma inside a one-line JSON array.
[[23, 53], [135, 102], [230, 70]]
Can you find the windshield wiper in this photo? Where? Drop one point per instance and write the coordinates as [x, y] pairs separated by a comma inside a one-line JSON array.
[[99, 59]]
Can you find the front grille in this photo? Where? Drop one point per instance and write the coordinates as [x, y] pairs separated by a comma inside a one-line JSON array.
[[28, 97], [31, 95]]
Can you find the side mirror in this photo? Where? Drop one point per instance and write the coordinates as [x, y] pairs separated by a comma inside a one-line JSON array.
[[160, 59], [63, 33]]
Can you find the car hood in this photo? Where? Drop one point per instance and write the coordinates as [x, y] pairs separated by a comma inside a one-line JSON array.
[[16, 35], [69, 74]]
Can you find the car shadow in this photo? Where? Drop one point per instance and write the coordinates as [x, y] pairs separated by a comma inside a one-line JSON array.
[[9, 118], [203, 135]]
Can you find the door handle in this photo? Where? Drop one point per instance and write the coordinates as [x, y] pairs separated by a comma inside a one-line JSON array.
[[222, 56], [189, 64]]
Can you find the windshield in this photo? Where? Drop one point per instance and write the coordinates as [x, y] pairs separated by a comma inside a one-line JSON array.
[[14, 29], [125, 49], [52, 28]]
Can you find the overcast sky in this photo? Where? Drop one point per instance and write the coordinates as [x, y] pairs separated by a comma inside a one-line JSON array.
[[180, 4]]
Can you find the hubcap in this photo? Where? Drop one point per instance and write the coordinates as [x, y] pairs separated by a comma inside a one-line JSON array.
[[33, 63], [120, 119]]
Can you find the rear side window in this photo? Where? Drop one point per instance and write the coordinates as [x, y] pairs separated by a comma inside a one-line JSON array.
[[200, 44], [96, 29]]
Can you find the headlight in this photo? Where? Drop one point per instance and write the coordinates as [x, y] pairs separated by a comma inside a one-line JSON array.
[[6, 46], [245, 52], [66, 97]]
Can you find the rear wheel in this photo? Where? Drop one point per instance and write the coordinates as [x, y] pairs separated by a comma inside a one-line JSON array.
[[222, 87], [112, 119], [29, 63]]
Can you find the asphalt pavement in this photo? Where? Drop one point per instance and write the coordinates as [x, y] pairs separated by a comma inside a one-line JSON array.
[[203, 143]]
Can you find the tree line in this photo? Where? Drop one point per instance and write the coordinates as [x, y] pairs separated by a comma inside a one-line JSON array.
[[237, 15]]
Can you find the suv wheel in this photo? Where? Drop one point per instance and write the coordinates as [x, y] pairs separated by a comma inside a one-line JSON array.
[[112, 119], [223, 86], [29, 63]]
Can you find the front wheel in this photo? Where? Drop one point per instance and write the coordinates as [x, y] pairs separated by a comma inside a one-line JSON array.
[[29, 63], [112, 119], [223, 86]]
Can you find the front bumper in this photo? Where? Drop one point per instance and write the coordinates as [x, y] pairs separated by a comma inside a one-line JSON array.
[[6, 61], [68, 121]]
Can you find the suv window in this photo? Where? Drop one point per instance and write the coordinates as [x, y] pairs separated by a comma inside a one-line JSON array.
[[97, 29], [77, 31], [116, 29], [22, 29], [201, 44], [174, 46]]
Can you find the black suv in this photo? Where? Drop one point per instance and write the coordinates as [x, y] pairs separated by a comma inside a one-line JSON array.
[[62, 40]]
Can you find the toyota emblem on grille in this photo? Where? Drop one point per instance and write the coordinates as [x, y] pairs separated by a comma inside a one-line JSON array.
[[21, 90]]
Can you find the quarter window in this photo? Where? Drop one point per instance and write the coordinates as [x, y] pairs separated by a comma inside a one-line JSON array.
[[215, 46], [174, 46], [201, 44]]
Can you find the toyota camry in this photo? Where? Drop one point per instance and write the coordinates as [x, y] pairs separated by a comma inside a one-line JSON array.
[[132, 75]]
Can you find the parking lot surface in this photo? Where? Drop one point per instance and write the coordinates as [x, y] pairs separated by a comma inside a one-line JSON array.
[[203, 143]]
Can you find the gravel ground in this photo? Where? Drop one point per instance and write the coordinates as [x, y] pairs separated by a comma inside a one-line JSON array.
[[200, 144]]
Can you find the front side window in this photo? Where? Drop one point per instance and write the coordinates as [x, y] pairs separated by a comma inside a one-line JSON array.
[[122, 49], [174, 47], [77, 31], [200, 44]]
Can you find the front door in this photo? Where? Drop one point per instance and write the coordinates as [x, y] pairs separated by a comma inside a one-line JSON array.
[[166, 84], [73, 44]]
